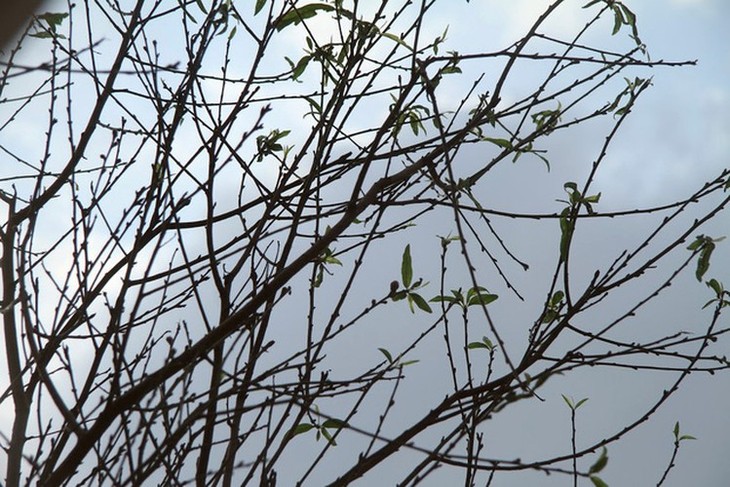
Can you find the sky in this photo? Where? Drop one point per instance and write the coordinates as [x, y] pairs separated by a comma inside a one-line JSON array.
[[677, 138]]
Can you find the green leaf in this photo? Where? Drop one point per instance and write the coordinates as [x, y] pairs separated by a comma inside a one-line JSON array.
[[327, 436], [557, 298], [503, 143], [715, 286], [334, 423], [300, 67], [397, 39], [571, 404], [550, 316], [618, 20], [420, 302], [53, 19], [703, 263], [409, 362], [297, 14], [387, 354], [406, 267], [482, 299], [300, 428], [697, 243], [568, 401], [598, 482], [44, 35], [318, 109], [566, 233], [443, 299], [259, 5], [319, 277], [679, 438], [485, 343], [600, 463], [450, 70], [400, 295]]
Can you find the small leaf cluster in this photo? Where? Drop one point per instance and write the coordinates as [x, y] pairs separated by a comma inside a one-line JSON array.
[[48, 23], [631, 90], [572, 404], [553, 307], [622, 15], [722, 297], [703, 245], [567, 221], [599, 465], [476, 296], [486, 343], [330, 54], [327, 257], [678, 437], [392, 361], [409, 293], [547, 120], [270, 144], [221, 18], [518, 150], [297, 14], [413, 116], [322, 429], [576, 199]]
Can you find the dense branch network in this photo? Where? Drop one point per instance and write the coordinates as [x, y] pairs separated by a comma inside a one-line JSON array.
[[197, 260]]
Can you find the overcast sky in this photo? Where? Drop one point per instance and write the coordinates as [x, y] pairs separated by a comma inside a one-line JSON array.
[[676, 139]]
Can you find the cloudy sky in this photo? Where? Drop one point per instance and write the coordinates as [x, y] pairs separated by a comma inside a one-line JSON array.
[[677, 138]]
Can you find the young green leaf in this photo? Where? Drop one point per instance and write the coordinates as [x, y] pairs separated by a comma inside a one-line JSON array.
[[597, 482], [259, 5], [678, 437], [486, 343], [334, 423], [53, 19], [397, 39], [387, 354], [297, 14], [481, 299], [298, 69], [400, 295], [327, 436], [566, 233], [420, 302], [600, 464], [568, 401], [300, 428], [572, 404], [406, 267], [443, 299], [503, 143]]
